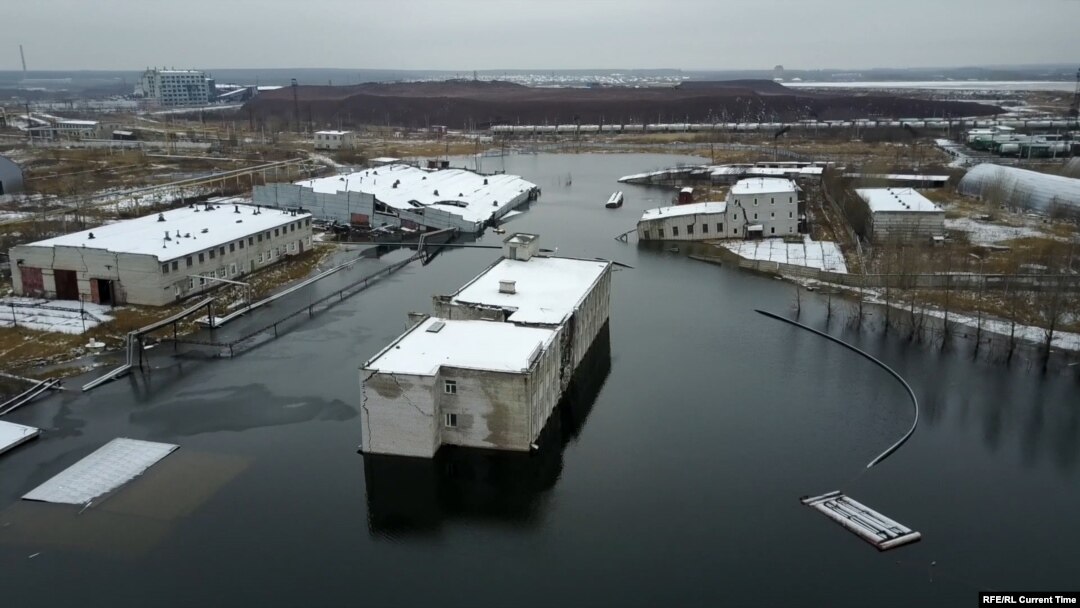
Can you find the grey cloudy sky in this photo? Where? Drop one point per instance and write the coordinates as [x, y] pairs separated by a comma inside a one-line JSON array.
[[493, 34]]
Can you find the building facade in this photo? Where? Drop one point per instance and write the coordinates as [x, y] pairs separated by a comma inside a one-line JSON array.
[[11, 176], [755, 208], [177, 87], [334, 140], [158, 259], [901, 215]]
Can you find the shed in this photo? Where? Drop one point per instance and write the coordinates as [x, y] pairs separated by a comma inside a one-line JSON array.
[[11, 176]]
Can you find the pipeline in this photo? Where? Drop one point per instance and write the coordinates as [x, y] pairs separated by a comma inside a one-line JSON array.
[[911, 393]]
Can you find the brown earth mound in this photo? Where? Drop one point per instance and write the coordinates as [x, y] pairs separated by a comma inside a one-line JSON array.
[[467, 103]]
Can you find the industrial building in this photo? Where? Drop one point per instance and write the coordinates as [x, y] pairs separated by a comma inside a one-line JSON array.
[[176, 87], [11, 177], [755, 208], [1021, 188], [565, 294], [406, 196], [901, 215], [489, 368], [334, 140], [158, 259]]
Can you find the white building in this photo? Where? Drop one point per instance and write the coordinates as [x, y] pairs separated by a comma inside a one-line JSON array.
[[176, 87], [901, 215], [403, 195], [488, 370], [160, 258], [334, 140], [568, 295], [755, 207]]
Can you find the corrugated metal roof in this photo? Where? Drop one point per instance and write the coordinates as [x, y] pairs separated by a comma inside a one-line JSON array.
[[1021, 187], [107, 468]]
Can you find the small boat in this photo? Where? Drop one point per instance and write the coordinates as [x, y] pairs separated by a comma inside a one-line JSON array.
[[615, 201]]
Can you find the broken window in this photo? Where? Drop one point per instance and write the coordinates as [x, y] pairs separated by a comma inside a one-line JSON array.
[[450, 387], [674, 231], [189, 260], [175, 265], [201, 258]]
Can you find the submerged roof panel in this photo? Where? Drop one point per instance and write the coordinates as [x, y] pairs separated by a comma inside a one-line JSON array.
[[11, 435], [107, 468]]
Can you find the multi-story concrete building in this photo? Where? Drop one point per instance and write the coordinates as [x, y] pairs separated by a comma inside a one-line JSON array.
[[901, 215], [756, 207], [334, 140], [158, 259], [489, 368], [177, 87]]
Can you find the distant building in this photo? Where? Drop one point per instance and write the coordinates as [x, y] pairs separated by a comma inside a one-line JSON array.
[[11, 177], [157, 259], [901, 215], [756, 207], [177, 87], [334, 140], [488, 370]]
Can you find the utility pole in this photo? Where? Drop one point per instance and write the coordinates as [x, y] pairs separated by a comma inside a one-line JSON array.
[[296, 104]]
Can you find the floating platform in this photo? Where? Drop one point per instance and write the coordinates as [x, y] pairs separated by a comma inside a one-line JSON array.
[[871, 526], [107, 468], [12, 435]]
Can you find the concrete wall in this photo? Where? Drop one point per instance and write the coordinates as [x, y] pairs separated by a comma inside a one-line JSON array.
[[677, 228], [405, 415], [778, 213], [906, 227], [143, 279], [586, 322]]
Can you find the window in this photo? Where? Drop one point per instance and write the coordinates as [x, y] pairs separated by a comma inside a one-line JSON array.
[[674, 231], [690, 229], [190, 282], [450, 420], [449, 387], [645, 234], [221, 250], [772, 230], [232, 269], [755, 216], [241, 244], [260, 258], [260, 237], [251, 241], [790, 229], [212, 253], [734, 231], [268, 235], [221, 272], [164, 269], [755, 202], [175, 265], [704, 228], [790, 199], [189, 260], [772, 214], [292, 227], [661, 230], [307, 222], [276, 232], [202, 280], [720, 228], [735, 217], [232, 247], [200, 258], [789, 214]]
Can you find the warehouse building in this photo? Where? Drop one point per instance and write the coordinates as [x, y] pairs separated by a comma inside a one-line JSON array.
[[489, 368], [755, 208], [568, 295], [901, 215], [1024, 189], [406, 196], [158, 259], [11, 176]]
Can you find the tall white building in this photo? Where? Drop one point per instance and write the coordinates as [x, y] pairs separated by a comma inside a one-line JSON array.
[[756, 207], [177, 87]]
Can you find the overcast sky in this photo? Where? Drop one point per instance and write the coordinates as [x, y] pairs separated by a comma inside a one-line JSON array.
[[495, 34]]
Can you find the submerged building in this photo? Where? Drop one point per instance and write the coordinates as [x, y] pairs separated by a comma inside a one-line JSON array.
[[755, 207], [489, 367], [406, 196], [160, 258]]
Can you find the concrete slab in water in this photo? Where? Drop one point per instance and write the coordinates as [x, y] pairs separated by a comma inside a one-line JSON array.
[[11, 435], [109, 467]]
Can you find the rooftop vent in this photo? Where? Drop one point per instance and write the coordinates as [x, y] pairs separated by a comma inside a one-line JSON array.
[[161, 218], [435, 327], [205, 230], [167, 236], [507, 286], [90, 236], [236, 208]]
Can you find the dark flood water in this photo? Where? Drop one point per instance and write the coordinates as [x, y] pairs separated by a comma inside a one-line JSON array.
[[671, 475]]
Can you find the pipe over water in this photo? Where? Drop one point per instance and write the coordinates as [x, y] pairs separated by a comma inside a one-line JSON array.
[[911, 393]]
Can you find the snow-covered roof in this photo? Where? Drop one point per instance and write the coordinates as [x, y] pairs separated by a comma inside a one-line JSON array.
[[896, 199], [385, 160], [690, 209], [12, 434], [332, 132], [199, 230], [78, 123], [483, 345], [763, 185], [774, 171], [464, 193], [547, 289]]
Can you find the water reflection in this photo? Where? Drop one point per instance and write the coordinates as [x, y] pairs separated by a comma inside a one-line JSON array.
[[408, 496]]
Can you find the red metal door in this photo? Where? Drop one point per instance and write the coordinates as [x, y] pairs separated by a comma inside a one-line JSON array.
[[67, 285], [95, 295], [33, 284]]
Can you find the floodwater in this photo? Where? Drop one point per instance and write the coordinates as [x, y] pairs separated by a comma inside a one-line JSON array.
[[670, 477]]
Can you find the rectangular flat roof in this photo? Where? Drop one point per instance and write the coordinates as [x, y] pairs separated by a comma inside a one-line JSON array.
[[900, 176], [463, 193], [332, 132], [482, 345], [763, 185], [896, 199], [107, 468], [146, 235], [11, 435], [547, 289], [677, 210]]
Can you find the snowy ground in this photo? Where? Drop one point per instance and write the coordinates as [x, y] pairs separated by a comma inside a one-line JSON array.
[[982, 233], [824, 255], [62, 316]]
